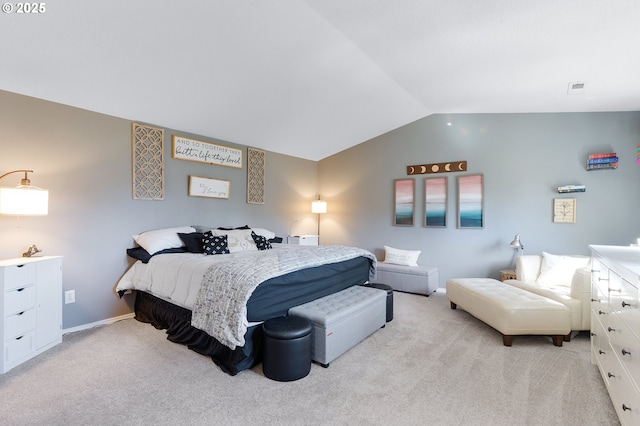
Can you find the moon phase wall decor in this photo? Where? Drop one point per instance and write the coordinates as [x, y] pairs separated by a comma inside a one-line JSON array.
[[423, 169]]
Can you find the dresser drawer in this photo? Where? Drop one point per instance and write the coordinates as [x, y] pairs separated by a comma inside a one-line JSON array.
[[599, 274], [19, 347], [19, 299], [625, 345], [19, 275], [625, 398], [20, 323]]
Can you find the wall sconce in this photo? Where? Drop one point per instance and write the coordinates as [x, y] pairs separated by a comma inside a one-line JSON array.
[[318, 206], [23, 200], [517, 244]]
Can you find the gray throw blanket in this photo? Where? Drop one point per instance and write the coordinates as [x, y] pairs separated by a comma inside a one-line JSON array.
[[221, 306]]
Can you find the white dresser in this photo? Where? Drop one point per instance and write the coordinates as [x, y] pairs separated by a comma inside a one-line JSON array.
[[615, 326], [31, 308]]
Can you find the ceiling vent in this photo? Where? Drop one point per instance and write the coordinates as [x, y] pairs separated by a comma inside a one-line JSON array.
[[576, 88]]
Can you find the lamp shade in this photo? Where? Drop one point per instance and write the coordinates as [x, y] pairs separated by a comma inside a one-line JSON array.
[[516, 243], [318, 206], [24, 201]]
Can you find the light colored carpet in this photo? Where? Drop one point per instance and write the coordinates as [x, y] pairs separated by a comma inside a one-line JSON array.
[[430, 366]]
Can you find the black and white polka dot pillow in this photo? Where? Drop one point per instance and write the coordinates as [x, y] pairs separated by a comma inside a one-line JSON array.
[[214, 244], [261, 242]]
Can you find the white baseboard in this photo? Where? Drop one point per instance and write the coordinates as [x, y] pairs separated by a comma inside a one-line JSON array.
[[97, 323]]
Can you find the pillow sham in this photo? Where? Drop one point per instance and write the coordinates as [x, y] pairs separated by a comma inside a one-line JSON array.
[[192, 241], [265, 233], [261, 241], [238, 239], [160, 239], [559, 269], [142, 255], [214, 244], [401, 257]]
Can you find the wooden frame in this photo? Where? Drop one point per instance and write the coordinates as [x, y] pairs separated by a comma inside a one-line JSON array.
[[147, 144], [404, 206], [564, 210], [205, 152], [471, 201], [208, 188], [255, 176], [435, 202]]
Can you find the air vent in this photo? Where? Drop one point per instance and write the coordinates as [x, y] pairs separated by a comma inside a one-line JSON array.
[[576, 88]]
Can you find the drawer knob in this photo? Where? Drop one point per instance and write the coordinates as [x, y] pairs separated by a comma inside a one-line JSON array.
[[601, 313], [20, 289], [625, 408], [625, 304], [595, 300], [609, 329], [601, 352], [625, 352], [593, 334], [603, 279], [611, 375]]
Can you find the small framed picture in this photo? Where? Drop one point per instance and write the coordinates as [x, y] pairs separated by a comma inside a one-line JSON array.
[[471, 201], [209, 188], [404, 194], [564, 210]]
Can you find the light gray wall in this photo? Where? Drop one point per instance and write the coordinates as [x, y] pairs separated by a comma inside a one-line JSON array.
[[84, 160], [524, 158]]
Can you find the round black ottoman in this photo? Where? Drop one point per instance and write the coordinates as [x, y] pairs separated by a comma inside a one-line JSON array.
[[287, 348], [389, 290]]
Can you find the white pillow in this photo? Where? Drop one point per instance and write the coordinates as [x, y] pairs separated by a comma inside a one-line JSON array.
[[559, 270], [238, 239], [264, 232], [160, 239], [401, 257]]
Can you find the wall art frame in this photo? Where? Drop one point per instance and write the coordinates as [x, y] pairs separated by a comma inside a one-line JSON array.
[[404, 202], [255, 176], [435, 202], [564, 210], [471, 201], [208, 187], [147, 145], [183, 148]]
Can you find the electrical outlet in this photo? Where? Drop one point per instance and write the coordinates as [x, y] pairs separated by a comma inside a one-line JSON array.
[[69, 296]]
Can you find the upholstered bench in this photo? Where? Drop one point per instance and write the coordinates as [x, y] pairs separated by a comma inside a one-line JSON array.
[[342, 320], [419, 279], [510, 310]]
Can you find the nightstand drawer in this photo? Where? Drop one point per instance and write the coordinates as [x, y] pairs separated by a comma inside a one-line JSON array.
[[18, 300], [19, 347], [19, 275], [20, 323]]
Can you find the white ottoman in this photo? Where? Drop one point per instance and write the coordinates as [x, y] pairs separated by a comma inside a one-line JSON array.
[[419, 279], [510, 310]]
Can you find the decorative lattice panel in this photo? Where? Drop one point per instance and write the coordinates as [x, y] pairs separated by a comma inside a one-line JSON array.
[[255, 176], [148, 162]]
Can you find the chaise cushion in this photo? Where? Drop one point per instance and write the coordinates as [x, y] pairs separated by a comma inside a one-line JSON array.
[[559, 270]]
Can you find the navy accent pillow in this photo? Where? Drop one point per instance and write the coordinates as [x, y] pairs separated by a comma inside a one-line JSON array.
[[192, 241], [261, 242], [214, 244], [142, 255], [221, 228]]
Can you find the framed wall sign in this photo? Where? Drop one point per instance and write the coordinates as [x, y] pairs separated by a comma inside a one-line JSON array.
[[404, 202], [205, 152], [209, 188], [471, 202]]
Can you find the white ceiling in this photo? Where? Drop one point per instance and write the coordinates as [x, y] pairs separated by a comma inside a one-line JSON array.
[[312, 78]]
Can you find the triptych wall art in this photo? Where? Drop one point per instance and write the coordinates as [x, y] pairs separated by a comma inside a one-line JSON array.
[[470, 202]]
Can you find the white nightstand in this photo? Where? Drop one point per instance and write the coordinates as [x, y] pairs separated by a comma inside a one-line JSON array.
[[303, 240]]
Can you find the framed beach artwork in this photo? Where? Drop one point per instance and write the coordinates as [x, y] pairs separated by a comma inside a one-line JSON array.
[[404, 202], [435, 202], [471, 201]]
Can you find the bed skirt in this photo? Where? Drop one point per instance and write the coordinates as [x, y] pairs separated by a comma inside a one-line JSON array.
[[176, 321]]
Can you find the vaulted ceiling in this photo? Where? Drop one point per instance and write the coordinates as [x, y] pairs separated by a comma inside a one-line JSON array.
[[310, 78]]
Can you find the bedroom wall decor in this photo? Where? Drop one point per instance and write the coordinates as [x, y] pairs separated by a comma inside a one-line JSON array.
[[564, 210], [435, 205], [207, 187], [404, 202], [452, 166], [471, 201], [205, 152], [148, 162], [255, 176]]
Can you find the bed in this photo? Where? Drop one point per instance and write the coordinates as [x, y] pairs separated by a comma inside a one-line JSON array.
[[215, 304]]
